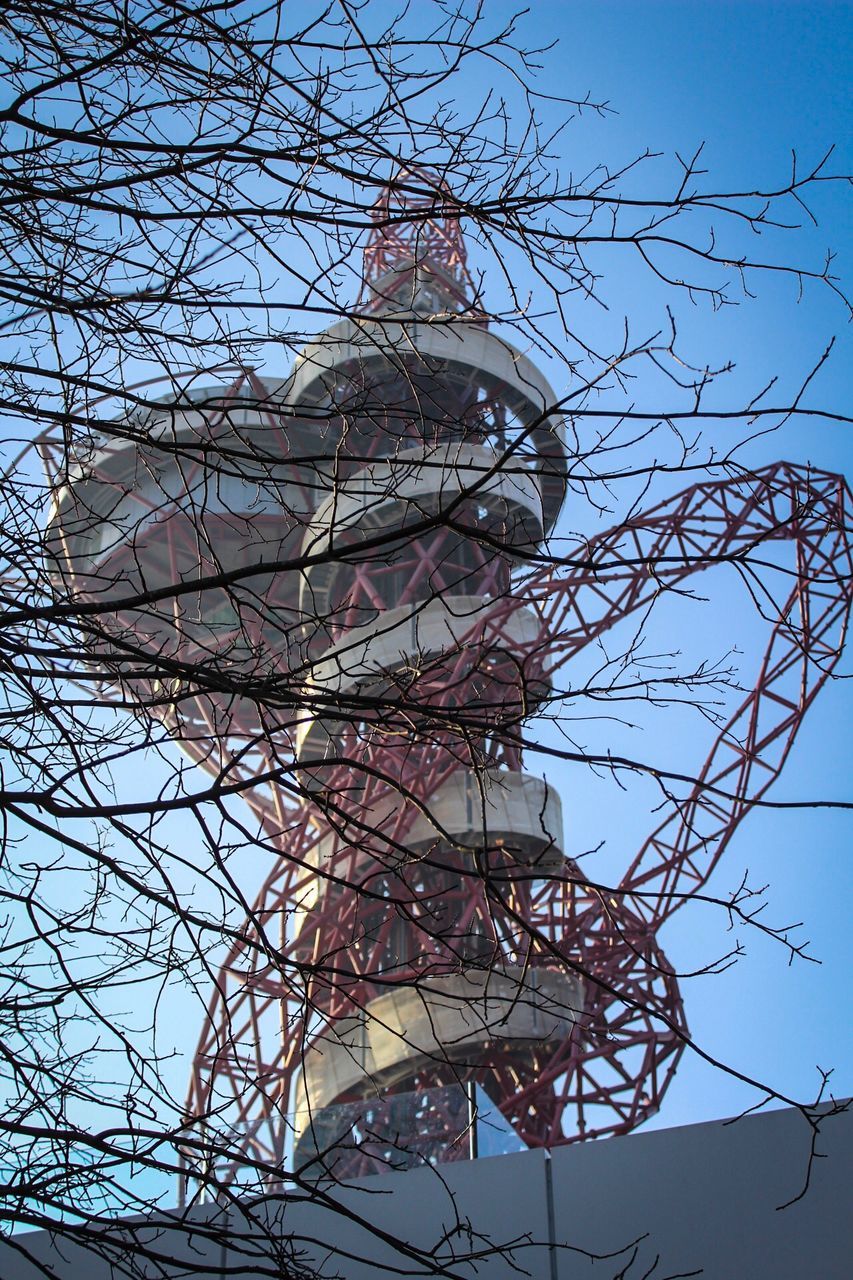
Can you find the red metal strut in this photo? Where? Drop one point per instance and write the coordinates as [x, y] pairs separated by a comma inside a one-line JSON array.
[[422, 927]]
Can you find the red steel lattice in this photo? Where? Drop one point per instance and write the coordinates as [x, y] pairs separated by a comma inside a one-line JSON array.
[[416, 228], [614, 1074], [378, 922]]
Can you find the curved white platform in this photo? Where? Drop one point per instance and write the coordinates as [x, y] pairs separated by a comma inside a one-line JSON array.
[[446, 1019], [354, 352]]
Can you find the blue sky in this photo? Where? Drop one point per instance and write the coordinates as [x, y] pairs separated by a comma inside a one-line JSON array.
[[752, 80]]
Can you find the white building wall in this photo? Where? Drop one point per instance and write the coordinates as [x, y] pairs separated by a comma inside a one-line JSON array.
[[701, 1200]]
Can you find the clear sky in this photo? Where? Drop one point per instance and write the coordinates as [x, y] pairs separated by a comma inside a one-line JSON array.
[[752, 80]]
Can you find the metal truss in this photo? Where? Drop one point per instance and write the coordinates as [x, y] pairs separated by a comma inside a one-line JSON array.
[[613, 1072], [372, 897]]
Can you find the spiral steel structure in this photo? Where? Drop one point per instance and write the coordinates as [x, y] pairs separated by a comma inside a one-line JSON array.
[[336, 623]]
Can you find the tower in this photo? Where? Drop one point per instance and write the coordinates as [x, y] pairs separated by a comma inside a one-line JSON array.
[[422, 670], [336, 576]]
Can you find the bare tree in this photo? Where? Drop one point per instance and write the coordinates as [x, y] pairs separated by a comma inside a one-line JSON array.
[[342, 590]]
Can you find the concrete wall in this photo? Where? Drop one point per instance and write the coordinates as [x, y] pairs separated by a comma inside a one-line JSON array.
[[700, 1200]]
